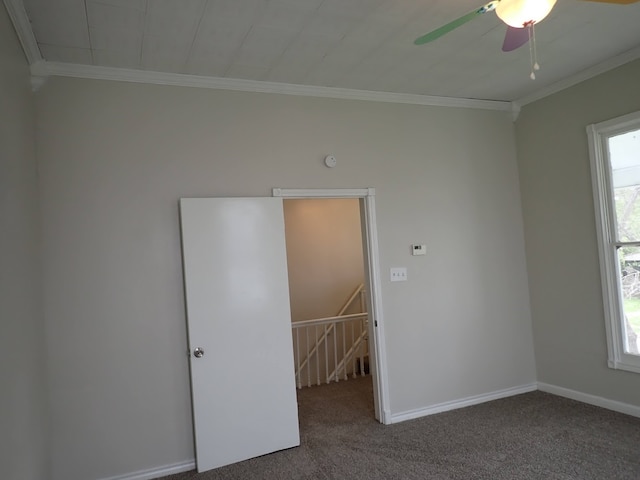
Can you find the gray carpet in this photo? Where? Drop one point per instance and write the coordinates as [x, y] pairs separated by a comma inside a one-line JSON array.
[[530, 436]]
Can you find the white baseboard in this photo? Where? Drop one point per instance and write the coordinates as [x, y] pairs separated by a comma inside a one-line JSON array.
[[461, 403], [157, 472], [614, 405], [386, 417]]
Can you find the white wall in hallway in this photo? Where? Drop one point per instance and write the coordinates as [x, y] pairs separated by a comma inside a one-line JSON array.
[[324, 255]]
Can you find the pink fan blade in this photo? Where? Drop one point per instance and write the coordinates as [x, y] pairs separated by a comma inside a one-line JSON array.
[[515, 38]]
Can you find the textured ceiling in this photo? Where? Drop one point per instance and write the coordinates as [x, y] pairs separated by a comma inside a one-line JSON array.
[[355, 44]]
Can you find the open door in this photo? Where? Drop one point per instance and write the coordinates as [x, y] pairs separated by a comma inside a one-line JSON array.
[[238, 316]]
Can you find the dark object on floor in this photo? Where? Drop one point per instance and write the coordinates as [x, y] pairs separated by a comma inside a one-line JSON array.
[[365, 362]]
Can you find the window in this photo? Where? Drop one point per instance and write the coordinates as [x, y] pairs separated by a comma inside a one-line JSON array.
[[615, 169]]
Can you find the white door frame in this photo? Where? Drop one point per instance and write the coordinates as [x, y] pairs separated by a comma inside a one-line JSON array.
[[376, 325]]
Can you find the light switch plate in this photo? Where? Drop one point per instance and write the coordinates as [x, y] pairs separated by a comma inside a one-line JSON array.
[[399, 274]]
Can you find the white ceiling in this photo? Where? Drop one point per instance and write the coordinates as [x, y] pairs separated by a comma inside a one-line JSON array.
[[354, 44]]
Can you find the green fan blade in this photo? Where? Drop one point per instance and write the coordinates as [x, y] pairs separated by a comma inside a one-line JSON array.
[[431, 36]]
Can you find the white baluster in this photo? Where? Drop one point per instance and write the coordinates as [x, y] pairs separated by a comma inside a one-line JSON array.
[[363, 325], [344, 350], [306, 331], [326, 354], [335, 352], [353, 357], [298, 358], [315, 335]]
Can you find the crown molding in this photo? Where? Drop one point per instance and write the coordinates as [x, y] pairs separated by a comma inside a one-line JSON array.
[[515, 111], [21, 23], [594, 71], [37, 82], [44, 68]]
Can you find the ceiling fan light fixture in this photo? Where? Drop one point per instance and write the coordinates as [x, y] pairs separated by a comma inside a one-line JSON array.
[[520, 13]]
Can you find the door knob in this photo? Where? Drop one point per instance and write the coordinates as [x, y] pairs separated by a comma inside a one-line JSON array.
[[198, 352]]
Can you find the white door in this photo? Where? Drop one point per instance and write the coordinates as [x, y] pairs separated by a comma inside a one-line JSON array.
[[238, 316]]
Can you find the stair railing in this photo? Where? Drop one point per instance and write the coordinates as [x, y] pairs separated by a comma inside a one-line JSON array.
[[358, 291], [327, 330], [358, 347], [332, 360]]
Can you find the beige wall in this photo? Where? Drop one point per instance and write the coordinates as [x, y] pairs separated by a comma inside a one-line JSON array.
[[562, 255], [324, 255], [23, 424], [114, 158]]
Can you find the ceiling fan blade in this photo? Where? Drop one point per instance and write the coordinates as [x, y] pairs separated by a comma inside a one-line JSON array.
[[437, 33], [619, 2], [515, 38]]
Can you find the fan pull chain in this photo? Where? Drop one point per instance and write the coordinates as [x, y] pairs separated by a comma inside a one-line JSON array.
[[533, 53]]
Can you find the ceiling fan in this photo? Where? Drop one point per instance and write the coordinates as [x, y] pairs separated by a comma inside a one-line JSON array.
[[520, 17]]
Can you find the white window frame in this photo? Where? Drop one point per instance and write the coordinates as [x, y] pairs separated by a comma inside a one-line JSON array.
[[601, 177]]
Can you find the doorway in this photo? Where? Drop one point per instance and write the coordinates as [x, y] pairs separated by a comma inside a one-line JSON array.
[[239, 322], [354, 351], [326, 290]]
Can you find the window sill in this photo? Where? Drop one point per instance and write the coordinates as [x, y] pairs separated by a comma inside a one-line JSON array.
[[627, 366]]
